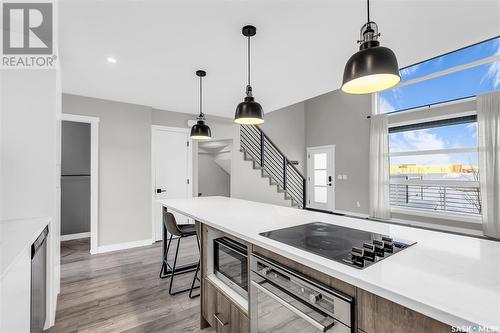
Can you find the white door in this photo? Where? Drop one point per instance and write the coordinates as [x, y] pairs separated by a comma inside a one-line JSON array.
[[171, 156], [321, 177]]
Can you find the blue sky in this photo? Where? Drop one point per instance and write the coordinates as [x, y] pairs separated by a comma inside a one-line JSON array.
[[473, 81]]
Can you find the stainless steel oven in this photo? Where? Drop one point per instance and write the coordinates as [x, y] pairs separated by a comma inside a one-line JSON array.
[[231, 264], [285, 301]]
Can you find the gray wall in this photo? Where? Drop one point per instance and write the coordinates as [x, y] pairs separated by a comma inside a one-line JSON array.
[[125, 162], [75, 177], [75, 148], [124, 167], [286, 129], [212, 179], [339, 119]]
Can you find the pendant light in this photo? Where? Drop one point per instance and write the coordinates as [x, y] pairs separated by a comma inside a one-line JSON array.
[[373, 68], [249, 112], [200, 131]]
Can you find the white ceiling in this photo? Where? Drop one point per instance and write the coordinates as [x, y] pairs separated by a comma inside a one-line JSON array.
[[299, 51]]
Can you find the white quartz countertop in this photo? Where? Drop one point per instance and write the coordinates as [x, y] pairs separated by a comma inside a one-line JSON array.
[[451, 278], [17, 236]]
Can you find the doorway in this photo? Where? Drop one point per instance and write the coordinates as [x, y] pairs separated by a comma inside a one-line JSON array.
[[214, 168], [171, 154], [321, 177], [79, 178]]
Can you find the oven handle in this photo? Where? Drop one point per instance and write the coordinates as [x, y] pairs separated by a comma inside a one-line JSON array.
[[231, 248], [299, 313]]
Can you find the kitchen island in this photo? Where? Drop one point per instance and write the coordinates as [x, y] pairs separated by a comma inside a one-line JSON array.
[[443, 281]]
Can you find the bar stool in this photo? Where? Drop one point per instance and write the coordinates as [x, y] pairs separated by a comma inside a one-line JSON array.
[[180, 231]]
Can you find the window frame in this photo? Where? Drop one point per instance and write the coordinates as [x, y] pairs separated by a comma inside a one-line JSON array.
[[447, 215]]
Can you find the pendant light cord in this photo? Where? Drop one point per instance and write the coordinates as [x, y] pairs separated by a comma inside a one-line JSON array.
[[248, 58], [201, 95], [368, 9]]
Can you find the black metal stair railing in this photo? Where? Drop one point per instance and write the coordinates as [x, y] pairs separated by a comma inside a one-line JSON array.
[[273, 163]]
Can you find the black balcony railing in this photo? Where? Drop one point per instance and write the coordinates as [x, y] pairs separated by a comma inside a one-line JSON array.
[[274, 163], [460, 198]]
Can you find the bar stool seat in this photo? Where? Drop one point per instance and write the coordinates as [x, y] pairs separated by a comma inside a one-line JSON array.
[[187, 229], [180, 231]]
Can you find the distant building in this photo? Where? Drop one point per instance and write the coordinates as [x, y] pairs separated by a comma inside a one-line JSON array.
[[432, 169]]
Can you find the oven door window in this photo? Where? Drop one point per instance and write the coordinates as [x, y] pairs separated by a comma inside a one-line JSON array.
[[279, 312], [231, 264]]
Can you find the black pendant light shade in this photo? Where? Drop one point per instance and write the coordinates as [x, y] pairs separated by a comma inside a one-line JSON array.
[[200, 130], [373, 68], [249, 112]]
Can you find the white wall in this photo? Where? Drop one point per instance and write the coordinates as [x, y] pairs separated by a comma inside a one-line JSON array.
[[28, 136], [30, 105]]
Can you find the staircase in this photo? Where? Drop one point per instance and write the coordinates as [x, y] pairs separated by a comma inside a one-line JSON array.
[[273, 164]]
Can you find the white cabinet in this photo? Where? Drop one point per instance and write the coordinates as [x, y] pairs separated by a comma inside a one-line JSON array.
[[15, 296]]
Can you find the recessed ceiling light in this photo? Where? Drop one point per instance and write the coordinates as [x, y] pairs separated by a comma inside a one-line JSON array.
[[111, 60]]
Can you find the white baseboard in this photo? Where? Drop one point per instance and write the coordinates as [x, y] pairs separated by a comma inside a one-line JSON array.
[[75, 236], [123, 246]]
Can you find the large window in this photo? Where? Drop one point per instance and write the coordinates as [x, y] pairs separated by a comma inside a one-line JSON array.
[[434, 166], [463, 73], [434, 163]]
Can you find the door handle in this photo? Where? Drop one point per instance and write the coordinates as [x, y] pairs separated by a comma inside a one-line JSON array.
[[329, 184], [159, 190], [222, 323], [330, 179]]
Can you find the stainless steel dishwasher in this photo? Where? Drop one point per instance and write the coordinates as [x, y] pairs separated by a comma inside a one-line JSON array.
[[38, 281]]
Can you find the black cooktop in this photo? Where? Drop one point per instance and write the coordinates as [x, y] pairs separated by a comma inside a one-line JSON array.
[[353, 247]]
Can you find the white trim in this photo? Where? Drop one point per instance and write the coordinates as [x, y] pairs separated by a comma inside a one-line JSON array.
[[450, 70], [153, 164], [426, 119], [171, 129], [359, 215], [468, 218], [75, 236], [375, 99], [94, 174], [123, 246], [434, 151]]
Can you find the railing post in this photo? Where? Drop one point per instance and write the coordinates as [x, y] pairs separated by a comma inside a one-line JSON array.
[[284, 172], [304, 193], [261, 149]]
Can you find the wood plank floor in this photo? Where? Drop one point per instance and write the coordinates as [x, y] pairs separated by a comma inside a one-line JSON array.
[[121, 291]]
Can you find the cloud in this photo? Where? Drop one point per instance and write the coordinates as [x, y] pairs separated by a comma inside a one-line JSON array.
[[493, 72], [417, 140], [472, 128], [385, 106], [409, 70]]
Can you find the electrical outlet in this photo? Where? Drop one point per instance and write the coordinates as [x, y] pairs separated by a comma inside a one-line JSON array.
[[358, 204], [339, 177]]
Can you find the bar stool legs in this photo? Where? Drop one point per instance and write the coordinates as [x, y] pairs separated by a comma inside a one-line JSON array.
[[195, 277], [171, 271]]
